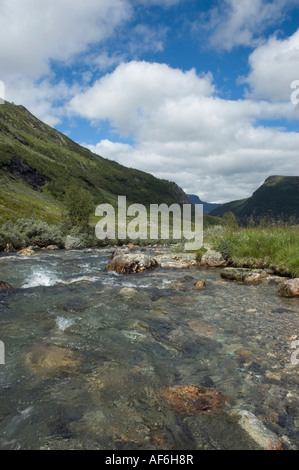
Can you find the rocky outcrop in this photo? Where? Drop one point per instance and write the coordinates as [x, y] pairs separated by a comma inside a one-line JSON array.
[[213, 259], [21, 169], [126, 262], [73, 243], [265, 438], [247, 275], [5, 285], [289, 288]]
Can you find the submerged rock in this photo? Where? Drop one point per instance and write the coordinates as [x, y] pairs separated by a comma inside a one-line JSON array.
[[202, 328], [190, 400], [5, 285], [46, 361], [289, 288], [124, 262], [265, 438], [128, 292]]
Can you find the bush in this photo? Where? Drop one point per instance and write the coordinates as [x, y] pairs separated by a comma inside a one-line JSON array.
[[11, 235], [30, 232], [79, 204]]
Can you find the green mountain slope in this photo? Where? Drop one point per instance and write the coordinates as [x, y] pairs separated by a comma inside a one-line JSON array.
[[277, 198], [38, 164]]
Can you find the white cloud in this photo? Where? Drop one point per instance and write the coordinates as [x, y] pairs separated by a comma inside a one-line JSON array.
[[130, 95], [35, 32], [184, 132], [274, 66], [241, 23], [43, 99]]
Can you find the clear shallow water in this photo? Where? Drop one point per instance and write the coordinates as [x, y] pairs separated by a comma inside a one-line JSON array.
[[89, 354]]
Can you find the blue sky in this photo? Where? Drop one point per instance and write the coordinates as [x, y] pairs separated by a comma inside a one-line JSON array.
[[197, 92]]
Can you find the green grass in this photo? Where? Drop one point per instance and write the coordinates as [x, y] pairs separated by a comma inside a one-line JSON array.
[[276, 247], [18, 200]]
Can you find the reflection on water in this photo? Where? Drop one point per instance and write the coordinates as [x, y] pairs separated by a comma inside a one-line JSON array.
[[95, 360]]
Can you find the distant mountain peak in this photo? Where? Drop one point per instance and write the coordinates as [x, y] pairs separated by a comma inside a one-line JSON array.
[[207, 206], [277, 198]]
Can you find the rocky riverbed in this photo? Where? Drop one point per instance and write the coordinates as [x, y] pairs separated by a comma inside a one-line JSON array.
[[172, 356]]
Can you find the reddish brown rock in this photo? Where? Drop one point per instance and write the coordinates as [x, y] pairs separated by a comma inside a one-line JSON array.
[[199, 285], [190, 400], [5, 285]]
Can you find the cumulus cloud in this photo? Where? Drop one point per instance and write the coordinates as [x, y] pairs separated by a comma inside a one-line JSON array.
[[241, 23], [274, 66], [35, 32], [184, 131], [134, 91]]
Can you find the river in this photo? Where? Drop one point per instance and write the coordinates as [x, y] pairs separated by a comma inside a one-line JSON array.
[[92, 357]]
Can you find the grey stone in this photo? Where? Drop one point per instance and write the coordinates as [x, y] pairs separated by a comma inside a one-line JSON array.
[[73, 243]]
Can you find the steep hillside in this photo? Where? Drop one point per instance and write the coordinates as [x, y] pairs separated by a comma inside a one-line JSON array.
[[38, 164], [277, 198]]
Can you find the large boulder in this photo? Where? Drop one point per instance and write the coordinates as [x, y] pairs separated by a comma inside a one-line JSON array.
[[289, 288], [124, 262], [26, 252], [73, 243], [213, 259]]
